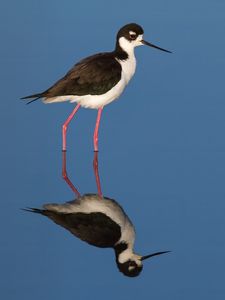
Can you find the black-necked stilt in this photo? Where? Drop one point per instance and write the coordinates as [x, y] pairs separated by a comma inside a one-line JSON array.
[[100, 222], [99, 79]]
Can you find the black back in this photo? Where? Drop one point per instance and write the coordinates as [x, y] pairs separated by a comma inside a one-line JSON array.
[[96, 228], [94, 75]]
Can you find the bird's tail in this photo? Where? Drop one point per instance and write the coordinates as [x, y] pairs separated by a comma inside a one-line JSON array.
[[35, 96], [34, 210], [45, 212]]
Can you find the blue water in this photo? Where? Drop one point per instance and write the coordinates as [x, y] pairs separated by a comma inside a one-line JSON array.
[[162, 150]]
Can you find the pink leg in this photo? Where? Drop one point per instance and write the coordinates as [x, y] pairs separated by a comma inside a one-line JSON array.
[[65, 177], [95, 166], [65, 125], [95, 137]]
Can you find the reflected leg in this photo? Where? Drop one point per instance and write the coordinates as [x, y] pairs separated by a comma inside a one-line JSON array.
[[97, 178], [65, 125], [65, 177], [95, 137]]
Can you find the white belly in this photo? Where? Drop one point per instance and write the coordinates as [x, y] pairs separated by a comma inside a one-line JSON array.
[[92, 101], [97, 101]]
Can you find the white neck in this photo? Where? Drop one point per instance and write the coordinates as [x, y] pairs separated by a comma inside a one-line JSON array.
[[128, 65], [127, 46], [128, 254]]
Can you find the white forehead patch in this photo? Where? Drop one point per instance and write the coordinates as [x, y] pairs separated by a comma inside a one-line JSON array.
[[140, 37], [132, 32]]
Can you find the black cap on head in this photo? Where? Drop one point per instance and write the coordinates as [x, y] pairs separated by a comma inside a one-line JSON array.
[[130, 268], [124, 31], [131, 32]]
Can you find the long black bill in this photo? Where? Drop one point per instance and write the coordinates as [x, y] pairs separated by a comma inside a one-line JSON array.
[[154, 46], [154, 254]]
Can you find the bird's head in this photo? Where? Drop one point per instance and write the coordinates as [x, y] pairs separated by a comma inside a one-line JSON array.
[[131, 36], [131, 264]]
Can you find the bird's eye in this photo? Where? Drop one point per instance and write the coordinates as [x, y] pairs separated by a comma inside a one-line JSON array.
[[133, 36], [132, 264]]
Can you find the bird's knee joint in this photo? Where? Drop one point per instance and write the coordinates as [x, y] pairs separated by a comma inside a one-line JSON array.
[[64, 175], [64, 127]]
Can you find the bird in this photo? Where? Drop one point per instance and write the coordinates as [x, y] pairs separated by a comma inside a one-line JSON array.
[[97, 80], [100, 222]]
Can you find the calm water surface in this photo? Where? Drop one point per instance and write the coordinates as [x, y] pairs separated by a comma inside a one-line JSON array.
[[162, 151]]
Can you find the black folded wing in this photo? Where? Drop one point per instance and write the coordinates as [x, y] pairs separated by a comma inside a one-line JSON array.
[[94, 75]]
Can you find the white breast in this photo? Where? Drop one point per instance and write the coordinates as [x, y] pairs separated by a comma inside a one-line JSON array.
[[128, 67]]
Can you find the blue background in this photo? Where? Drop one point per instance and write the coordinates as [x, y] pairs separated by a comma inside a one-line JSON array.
[[162, 149]]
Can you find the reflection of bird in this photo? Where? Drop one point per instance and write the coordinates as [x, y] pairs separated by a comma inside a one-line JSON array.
[[100, 222], [99, 79]]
